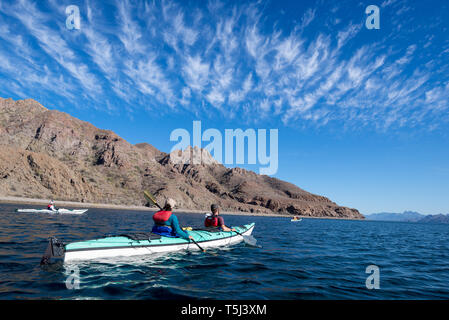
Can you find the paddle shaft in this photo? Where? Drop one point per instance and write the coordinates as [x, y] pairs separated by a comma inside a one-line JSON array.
[[236, 232], [150, 197], [198, 245]]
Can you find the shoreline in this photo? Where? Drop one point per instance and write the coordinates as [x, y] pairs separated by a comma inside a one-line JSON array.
[[31, 201]]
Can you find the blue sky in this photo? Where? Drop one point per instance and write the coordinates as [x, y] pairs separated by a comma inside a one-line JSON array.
[[362, 114]]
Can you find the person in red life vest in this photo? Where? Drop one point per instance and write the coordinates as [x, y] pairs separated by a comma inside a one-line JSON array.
[[166, 223], [215, 220], [51, 206]]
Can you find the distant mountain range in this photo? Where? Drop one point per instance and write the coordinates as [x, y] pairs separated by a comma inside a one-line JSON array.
[[436, 218], [408, 216]]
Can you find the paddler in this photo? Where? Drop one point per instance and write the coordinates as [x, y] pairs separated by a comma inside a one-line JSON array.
[[51, 206], [215, 220], [166, 223]]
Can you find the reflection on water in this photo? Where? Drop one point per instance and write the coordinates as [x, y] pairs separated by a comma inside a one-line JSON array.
[[311, 259]]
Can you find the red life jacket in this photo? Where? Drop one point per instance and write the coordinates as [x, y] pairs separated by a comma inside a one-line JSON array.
[[161, 217], [49, 207], [211, 221]]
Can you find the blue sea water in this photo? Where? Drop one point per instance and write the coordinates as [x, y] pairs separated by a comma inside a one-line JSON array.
[[311, 259]]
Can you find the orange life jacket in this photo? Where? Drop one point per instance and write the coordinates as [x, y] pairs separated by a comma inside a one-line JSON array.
[[161, 217], [211, 221]]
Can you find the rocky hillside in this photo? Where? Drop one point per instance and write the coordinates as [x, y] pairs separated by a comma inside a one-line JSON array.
[[49, 154]]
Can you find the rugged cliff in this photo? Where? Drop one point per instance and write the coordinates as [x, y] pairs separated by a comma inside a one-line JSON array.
[[49, 154]]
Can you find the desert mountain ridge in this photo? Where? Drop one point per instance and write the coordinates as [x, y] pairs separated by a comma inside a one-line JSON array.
[[50, 154]]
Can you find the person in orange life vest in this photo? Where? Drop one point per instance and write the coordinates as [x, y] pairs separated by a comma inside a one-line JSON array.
[[215, 220], [166, 223], [51, 206]]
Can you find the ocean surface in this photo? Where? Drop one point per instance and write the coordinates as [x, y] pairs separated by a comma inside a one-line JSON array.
[[311, 259]]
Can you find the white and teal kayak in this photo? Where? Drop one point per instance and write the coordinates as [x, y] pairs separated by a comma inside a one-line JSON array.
[[296, 220], [142, 244], [61, 211]]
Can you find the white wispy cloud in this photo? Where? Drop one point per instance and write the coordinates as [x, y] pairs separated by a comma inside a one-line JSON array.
[[53, 44], [307, 18], [131, 33], [150, 79], [346, 34], [196, 73], [230, 56]]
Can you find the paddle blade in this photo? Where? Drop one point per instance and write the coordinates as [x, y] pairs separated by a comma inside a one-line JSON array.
[[55, 249], [250, 240]]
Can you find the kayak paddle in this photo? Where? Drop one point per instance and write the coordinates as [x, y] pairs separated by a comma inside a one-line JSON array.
[[248, 239], [198, 245], [150, 197]]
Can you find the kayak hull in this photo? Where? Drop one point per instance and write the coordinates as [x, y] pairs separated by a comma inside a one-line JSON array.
[[60, 211], [125, 247]]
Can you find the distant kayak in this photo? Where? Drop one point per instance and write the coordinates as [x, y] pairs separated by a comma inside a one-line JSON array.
[[142, 244], [60, 211], [295, 220]]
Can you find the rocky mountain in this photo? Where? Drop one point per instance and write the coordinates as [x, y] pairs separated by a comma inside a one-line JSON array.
[[49, 154]]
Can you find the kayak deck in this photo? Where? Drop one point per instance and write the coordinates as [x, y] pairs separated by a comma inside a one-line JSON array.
[[124, 246]]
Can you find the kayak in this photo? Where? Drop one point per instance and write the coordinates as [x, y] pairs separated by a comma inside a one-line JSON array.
[[61, 211], [295, 220], [146, 244]]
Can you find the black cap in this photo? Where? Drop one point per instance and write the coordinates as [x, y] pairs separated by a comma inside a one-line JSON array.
[[213, 207]]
